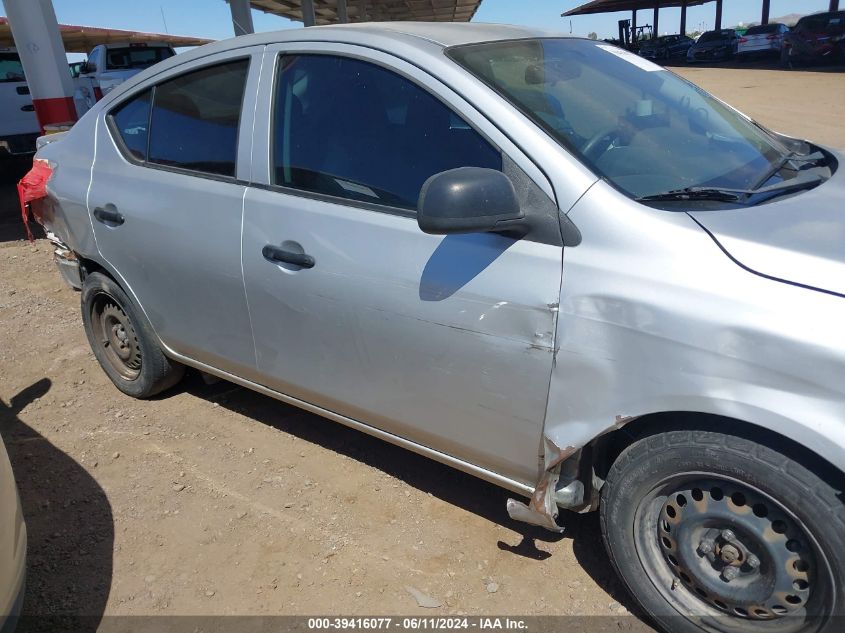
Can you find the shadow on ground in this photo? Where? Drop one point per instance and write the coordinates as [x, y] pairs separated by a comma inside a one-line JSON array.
[[11, 225], [69, 528], [452, 486]]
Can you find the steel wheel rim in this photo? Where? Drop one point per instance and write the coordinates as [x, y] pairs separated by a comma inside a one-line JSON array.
[[116, 337], [699, 596]]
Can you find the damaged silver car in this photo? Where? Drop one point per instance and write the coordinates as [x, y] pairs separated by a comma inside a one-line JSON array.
[[542, 260]]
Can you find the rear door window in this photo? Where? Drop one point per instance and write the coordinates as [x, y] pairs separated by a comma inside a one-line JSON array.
[[352, 129], [194, 123]]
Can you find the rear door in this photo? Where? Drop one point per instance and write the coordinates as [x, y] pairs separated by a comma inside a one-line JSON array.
[[447, 341], [166, 201]]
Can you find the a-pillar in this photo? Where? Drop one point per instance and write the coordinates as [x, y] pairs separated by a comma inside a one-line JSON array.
[[39, 45], [241, 17]]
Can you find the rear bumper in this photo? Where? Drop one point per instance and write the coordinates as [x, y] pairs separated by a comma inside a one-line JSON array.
[[18, 145], [749, 49]]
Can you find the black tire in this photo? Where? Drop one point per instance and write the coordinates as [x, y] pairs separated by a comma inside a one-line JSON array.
[[672, 502], [123, 341]]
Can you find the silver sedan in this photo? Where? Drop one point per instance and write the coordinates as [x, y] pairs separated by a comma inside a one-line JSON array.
[[543, 260]]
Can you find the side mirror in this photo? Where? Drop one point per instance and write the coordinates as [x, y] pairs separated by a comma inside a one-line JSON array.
[[87, 67], [469, 200]]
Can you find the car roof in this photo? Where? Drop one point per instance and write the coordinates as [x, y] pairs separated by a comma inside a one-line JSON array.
[[419, 40], [388, 36]]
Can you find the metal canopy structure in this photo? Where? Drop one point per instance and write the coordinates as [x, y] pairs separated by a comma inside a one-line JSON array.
[[334, 11], [607, 6], [81, 39]]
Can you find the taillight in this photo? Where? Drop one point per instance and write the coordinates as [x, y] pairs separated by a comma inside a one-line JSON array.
[[743, 40], [771, 37]]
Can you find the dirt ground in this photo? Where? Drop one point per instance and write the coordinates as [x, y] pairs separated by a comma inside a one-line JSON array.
[[217, 500]]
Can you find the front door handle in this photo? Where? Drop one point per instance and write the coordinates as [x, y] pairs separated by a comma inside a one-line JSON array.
[[277, 255], [108, 216]]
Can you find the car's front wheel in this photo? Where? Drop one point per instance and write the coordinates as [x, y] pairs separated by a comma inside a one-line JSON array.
[[714, 532], [123, 341]]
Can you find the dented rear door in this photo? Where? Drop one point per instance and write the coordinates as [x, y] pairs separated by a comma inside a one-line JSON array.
[[447, 341]]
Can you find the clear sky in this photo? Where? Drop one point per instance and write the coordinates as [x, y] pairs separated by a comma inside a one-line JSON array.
[[211, 18]]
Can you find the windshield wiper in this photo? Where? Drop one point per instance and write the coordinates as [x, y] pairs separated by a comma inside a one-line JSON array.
[[792, 157], [692, 194], [803, 181]]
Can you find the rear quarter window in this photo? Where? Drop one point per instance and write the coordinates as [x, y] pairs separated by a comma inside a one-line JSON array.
[[131, 122]]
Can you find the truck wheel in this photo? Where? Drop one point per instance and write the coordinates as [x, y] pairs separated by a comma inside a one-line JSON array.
[[714, 532], [123, 341]]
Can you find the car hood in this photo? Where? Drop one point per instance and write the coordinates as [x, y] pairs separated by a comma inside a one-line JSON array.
[[799, 239]]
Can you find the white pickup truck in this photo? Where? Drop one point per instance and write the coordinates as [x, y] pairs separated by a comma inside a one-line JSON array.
[[107, 66], [18, 125], [111, 64]]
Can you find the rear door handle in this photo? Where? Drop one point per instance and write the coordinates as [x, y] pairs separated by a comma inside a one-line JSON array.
[[28, 108], [276, 255], [108, 216]]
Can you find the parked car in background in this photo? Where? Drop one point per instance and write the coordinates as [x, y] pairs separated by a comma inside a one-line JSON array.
[[714, 46], [18, 124], [817, 37], [762, 39], [12, 546], [665, 47], [543, 260], [109, 65]]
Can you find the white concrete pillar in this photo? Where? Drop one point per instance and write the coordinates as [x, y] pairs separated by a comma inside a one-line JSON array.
[[241, 17], [39, 44], [342, 13]]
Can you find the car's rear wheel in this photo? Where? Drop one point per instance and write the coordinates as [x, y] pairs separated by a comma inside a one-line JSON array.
[[123, 341], [713, 532]]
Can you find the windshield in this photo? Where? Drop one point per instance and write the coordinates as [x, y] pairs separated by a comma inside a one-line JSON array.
[[10, 67], [136, 57], [763, 29], [634, 123]]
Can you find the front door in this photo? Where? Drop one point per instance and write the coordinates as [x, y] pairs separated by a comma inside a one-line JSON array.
[[166, 205], [446, 341]]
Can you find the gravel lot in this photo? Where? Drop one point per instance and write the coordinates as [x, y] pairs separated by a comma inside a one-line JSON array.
[[217, 500]]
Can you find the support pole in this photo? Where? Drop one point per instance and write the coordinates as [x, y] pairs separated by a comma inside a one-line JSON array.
[[241, 17], [633, 27], [657, 19], [39, 45], [308, 16], [342, 13], [834, 5], [718, 26], [683, 29], [765, 17]]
